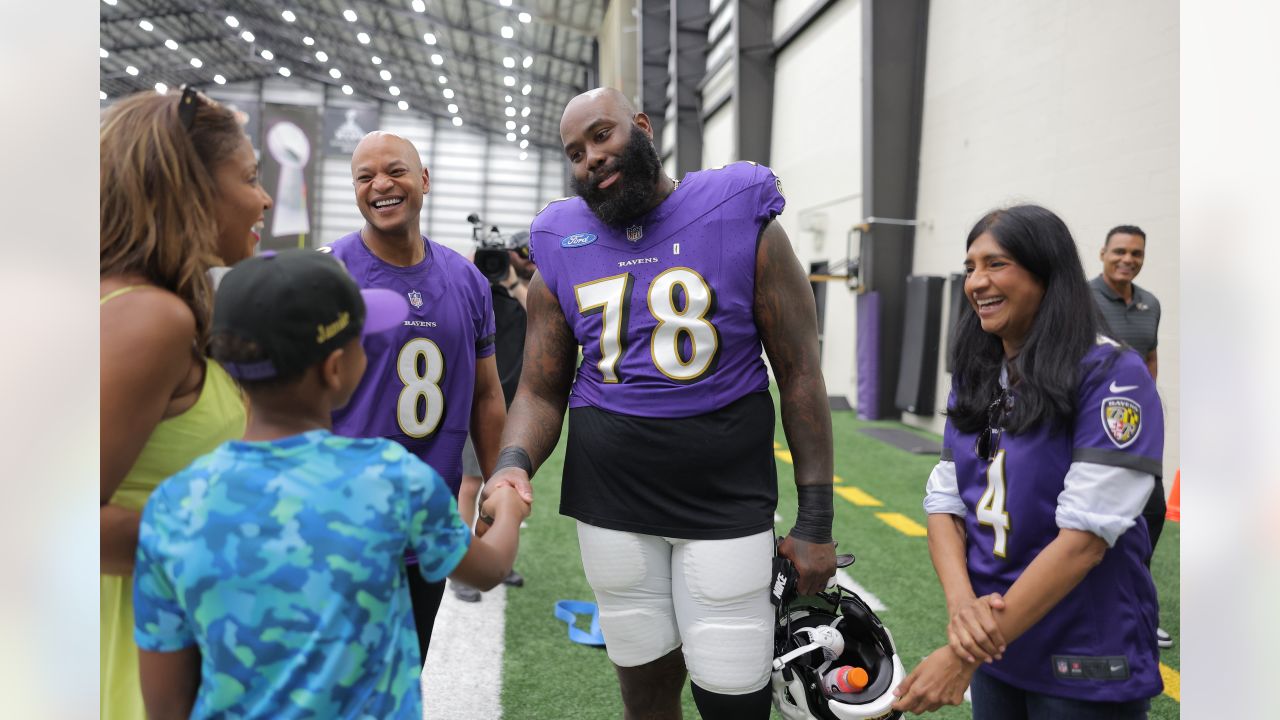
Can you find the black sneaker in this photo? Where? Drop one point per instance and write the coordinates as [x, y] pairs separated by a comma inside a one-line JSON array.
[[1162, 638], [513, 579], [465, 592]]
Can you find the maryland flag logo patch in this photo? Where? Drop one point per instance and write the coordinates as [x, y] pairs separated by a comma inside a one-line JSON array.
[[1122, 419]]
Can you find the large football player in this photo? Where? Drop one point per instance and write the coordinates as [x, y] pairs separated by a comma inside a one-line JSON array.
[[434, 378], [671, 289]]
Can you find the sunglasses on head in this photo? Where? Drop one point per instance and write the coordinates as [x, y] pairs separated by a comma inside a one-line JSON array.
[[522, 251], [988, 443], [191, 98]]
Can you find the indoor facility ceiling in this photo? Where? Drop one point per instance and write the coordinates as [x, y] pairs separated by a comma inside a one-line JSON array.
[[480, 61]]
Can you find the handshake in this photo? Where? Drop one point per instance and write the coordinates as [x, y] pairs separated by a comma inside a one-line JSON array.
[[501, 505]]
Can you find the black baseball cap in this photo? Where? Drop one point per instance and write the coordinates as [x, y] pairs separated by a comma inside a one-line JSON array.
[[298, 306]]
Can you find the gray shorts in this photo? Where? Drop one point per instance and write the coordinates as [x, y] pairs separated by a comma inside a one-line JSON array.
[[470, 463]]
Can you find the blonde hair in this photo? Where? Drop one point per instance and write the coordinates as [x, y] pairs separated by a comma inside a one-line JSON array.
[[157, 194]]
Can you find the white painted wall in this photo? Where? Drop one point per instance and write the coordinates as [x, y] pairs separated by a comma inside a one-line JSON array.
[[817, 153], [717, 138], [1071, 105]]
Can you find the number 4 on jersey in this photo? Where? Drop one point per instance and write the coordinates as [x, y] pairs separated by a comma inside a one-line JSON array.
[[990, 508], [610, 297]]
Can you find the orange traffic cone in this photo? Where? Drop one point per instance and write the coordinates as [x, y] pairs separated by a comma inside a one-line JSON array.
[[1175, 507]]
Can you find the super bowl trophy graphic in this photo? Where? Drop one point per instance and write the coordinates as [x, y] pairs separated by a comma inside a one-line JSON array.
[[289, 145]]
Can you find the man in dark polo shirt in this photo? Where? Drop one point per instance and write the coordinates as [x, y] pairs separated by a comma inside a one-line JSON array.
[[1134, 317], [1132, 313]]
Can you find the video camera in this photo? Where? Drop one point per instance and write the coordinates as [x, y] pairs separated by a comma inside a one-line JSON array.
[[492, 247]]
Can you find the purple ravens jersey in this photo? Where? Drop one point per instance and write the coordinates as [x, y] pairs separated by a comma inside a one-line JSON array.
[[1098, 643], [418, 386], [663, 307]]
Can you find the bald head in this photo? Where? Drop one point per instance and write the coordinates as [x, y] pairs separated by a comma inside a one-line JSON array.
[[384, 144], [601, 103]]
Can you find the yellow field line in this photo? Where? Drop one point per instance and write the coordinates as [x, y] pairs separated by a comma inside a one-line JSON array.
[[784, 456], [903, 524], [858, 497], [1172, 682]]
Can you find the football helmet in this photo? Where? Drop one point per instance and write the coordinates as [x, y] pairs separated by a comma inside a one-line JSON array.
[[815, 633]]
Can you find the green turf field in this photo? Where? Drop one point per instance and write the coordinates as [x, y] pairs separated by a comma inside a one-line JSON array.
[[547, 676]]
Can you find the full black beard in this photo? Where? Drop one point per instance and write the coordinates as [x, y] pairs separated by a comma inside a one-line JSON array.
[[633, 195]]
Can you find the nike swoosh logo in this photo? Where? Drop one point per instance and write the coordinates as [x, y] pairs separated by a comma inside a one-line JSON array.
[[1121, 388]]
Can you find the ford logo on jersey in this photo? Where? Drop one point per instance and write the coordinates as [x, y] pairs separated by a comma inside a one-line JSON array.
[[577, 240]]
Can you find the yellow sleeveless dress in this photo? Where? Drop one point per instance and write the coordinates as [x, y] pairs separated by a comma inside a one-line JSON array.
[[217, 416]]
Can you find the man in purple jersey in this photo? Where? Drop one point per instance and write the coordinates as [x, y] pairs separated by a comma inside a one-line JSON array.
[[434, 379], [672, 289]]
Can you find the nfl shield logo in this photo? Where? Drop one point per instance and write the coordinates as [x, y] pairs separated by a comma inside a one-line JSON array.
[[415, 298], [1122, 419], [634, 233]]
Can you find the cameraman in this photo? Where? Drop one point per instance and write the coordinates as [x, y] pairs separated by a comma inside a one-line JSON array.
[[509, 270]]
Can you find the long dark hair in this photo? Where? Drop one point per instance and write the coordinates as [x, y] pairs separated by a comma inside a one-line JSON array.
[[1065, 327]]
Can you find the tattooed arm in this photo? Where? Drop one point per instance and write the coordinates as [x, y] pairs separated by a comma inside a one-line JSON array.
[[788, 323], [537, 411]]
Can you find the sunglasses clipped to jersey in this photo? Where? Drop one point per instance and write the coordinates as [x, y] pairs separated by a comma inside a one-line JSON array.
[[988, 442]]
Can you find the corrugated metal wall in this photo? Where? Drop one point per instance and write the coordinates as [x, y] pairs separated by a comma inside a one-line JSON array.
[[470, 172]]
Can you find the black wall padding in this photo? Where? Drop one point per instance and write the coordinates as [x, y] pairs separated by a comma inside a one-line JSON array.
[[956, 291], [918, 372]]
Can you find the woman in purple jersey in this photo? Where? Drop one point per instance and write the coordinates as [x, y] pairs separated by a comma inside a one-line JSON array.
[[1053, 442]]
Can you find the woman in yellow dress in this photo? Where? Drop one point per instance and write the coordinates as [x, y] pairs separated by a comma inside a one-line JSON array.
[[179, 195]]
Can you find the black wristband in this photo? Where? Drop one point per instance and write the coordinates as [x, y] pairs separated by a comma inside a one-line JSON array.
[[514, 456], [814, 513]]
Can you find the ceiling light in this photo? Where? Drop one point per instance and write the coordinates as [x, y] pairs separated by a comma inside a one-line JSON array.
[[394, 90], [524, 144], [453, 108], [511, 112], [268, 55], [285, 71], [507, 32], [232, 21], [419, 6], [524, 112], [526, 89], [196, 62], [385, 75], [511, 137], [508, 62], [509, 81], [363, 37], [219, 79], [308, 40], [335, 73], [511, 124], [131, 70], [528, 61], [102, 52], [112, 3], [322, 56], [402, 105], [429, 38], [102, 95], [375, 60], [350, 15], [248, 36], [288, 16], [162, 88], [442, 80], [524, 17], [171, 44], [524, 129], [507, 99], [146, 25], [504, 3], [457, 121], [448, 93], [346, 90], [524, 156], [437, 58]]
